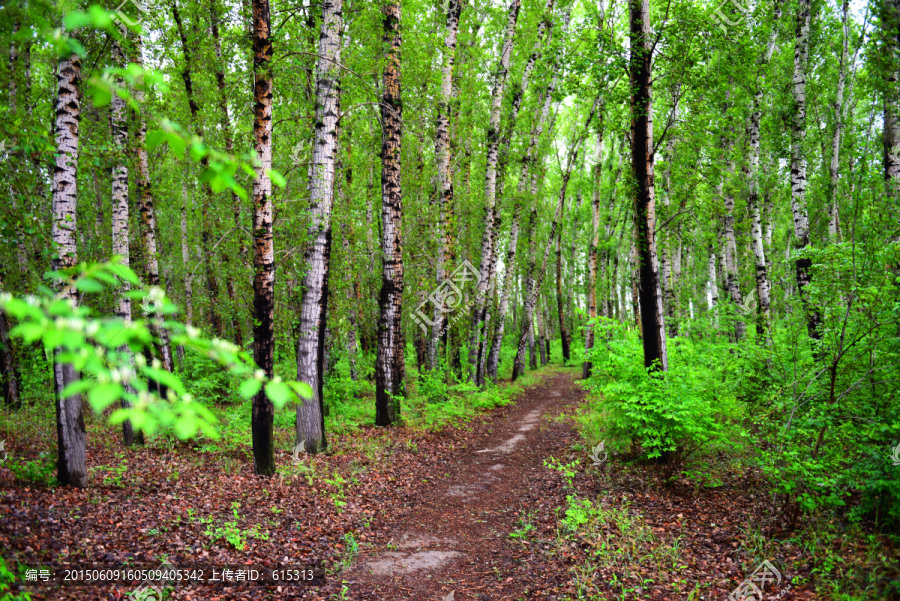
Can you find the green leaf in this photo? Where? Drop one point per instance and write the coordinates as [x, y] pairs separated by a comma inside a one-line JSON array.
[[249, 388], [104, 395], [302, 389], [154, 138], [88, 285], [165, 378], [276, 178], [77, 387], [278, 393]]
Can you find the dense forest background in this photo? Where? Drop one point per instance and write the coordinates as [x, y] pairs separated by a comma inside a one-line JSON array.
[[374, 210]]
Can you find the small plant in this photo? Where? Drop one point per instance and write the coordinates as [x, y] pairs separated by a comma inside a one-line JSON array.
[[568, 470], [40, 470], [351, 550], [525, 527]]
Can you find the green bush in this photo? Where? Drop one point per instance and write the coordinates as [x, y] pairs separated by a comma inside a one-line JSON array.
[[669, 415]]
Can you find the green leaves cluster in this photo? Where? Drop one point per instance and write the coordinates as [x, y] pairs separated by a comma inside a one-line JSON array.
[[116, 357]]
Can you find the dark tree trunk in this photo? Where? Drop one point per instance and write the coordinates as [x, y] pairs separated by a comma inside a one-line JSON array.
[[389, 362], [649, 293], [212, 283], [263, 412]]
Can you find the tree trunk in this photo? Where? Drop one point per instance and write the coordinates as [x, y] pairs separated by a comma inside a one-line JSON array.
[[263, 412], [70, 432], [535, 279], [752, 174], [587, 366], [9, 366], [563, 331], [186, 263], [212, 283], [650, 295], [492, 215], [798, 165], [444, 173], [712, 286], [317, 258], [120, 237], [389, 363], [148, 215]]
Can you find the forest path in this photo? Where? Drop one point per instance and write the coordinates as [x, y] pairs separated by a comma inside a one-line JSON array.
[[453, 535]]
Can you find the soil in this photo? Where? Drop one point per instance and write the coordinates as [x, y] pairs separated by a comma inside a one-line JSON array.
[[428, 516]]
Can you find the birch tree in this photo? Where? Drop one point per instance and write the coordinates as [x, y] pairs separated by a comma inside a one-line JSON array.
[[263, 412], [653, 329], [389, 361], [71, 436], [314, 303]]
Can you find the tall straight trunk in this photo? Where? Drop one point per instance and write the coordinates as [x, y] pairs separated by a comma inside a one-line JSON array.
[[389, 362], [9, 366], [70, 432], [225, 125], [147, 213], [799, 163], [212, 283], [343, 182], [444, 171], [491, 214], [635, 281], [314, 303], [542, 336], [650, 295], [712, 286], [563, 331], [763, 290], [587, 366], [890, 19], [120, 237], [263, 412], [572, 300], [186, 257], [534, 279]]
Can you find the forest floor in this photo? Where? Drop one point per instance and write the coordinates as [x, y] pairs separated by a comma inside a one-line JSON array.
[[468, 512]]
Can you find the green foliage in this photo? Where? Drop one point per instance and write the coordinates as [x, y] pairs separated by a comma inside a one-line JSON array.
[[8, 580], [110, 352], [672, 415], [40, 471]]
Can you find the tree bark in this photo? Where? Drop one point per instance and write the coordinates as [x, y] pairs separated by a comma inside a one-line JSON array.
[[587, 366], [751, 171], [263, 412], [147, 213], [650, 295], [212, 283], [225, 124], [799, 163], [389, 362], [314, 304], [563, 331], [9, 366], [444, 173], [120, 235], [71, 436], [491, 214]]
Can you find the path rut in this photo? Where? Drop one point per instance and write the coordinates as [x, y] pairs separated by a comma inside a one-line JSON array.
[[454, 535]]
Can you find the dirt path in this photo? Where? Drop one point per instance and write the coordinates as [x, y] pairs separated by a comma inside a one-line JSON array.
[[454, 534]]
